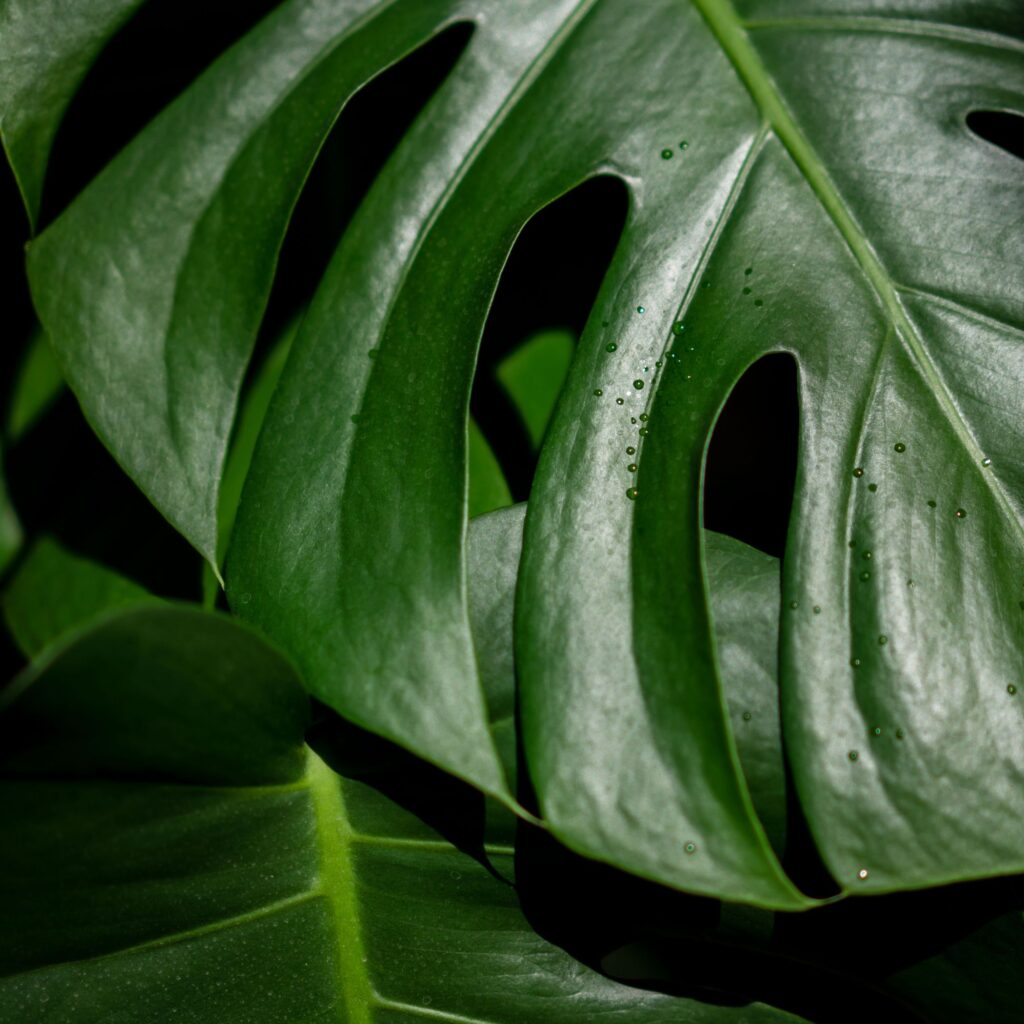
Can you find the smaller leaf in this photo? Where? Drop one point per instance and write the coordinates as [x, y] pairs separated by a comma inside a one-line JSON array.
[[533, 376], [488, 488], [55, 592], [38, 383], [10, 528]]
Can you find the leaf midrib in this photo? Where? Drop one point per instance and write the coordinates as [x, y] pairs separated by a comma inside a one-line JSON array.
[[728, 29]]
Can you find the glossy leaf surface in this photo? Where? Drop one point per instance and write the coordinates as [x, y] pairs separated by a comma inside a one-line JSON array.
[[212, 868]]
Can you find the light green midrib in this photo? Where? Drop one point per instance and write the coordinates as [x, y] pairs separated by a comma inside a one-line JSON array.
[[338, 887], [728, 30]]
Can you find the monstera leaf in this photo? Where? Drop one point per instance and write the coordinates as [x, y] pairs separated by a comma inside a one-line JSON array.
[[802, 180]]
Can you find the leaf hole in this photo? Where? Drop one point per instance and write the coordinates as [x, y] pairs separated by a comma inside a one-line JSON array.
[[750, 469], [1002, 128], [160, 51], [543, 300], [355, 151]]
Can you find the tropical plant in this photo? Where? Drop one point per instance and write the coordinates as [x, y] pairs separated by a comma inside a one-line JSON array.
[[433, 753]]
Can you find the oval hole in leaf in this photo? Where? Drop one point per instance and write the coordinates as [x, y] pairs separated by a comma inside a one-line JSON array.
[[549, 284], [751, 462], [1002, 128], [369, 128]]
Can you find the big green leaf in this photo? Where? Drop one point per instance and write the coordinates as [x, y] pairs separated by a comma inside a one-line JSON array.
[[801, 181], [171, 848]]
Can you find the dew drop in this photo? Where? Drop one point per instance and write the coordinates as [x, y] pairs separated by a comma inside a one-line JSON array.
[[638, 384], [877, 731], [794, 605], [598, 392], [911, 583], [882, 640], [684, 144], [371, 354], [858, 472], [862, 874], [899, 734], [900, 447], [986, 462], [611, 346], [853, 755], [747, 716], [631, 493], [746, 291], [666, 154], [931, 503], [816, 609], [961, 514], [657, 365], [632, 419], [855, 663], [1011, 690], [631, 450], [690, 847], [620, 401], [643, 431], [872, 488], [866, 556], [644, 417], [641, 309], [678, 327], [852, 544], [632, 467], [865, 575]]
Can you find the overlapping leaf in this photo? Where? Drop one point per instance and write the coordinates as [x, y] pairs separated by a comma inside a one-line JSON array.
[[213, 868]]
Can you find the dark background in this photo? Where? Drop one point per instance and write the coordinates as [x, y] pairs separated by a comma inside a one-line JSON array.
[[828, 965]]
